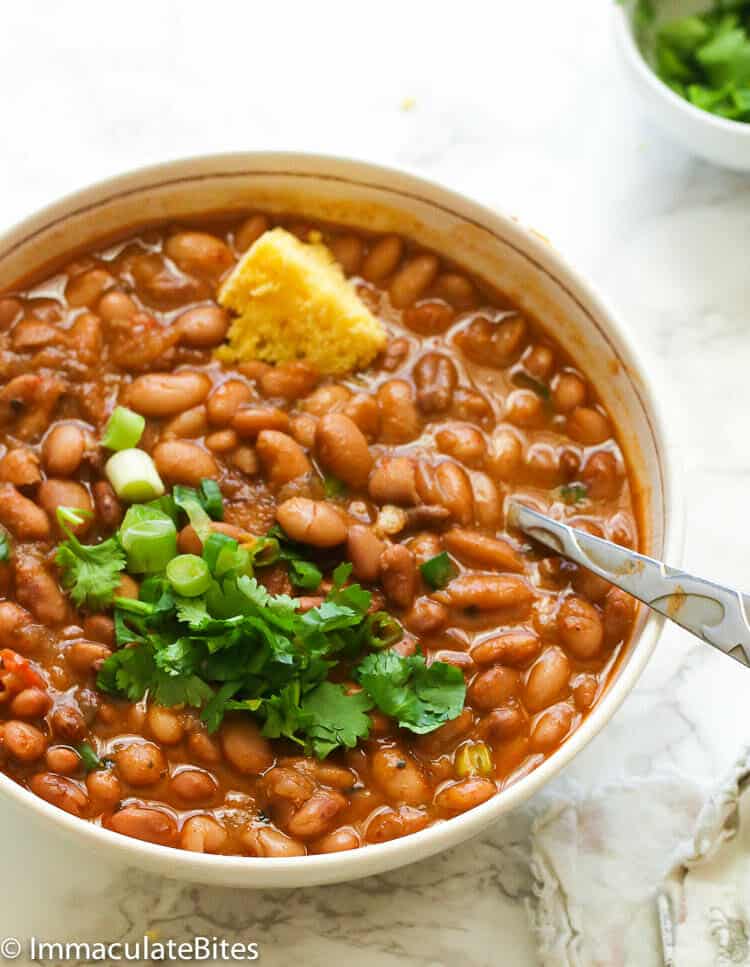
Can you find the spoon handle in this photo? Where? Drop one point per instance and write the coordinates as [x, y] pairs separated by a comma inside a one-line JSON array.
[[715, 614]]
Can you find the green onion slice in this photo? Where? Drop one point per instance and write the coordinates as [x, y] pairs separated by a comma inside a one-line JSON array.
[[265, 551], [304, 575], [209, 494], [382, 630], [123, 430], [214, 545], [149, 538], [133, 476], [5, 547], [438, 570], [189, 575]]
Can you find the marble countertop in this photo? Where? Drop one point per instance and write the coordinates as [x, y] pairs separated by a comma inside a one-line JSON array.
[[520, 105]]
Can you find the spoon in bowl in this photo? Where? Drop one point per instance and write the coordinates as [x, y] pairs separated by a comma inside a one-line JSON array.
[[715, 614]]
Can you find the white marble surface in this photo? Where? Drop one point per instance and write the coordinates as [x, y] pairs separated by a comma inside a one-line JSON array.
[[520, 105]]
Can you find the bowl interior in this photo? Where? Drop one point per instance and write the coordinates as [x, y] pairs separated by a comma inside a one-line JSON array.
[[494, 248]]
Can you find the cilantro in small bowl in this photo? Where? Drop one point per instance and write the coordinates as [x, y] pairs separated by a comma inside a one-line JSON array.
[[690, 64]]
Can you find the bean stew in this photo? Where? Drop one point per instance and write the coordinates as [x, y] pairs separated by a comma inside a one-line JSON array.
[[245, 609]]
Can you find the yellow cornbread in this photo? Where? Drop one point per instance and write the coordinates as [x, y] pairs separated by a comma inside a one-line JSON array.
[[292, 301]]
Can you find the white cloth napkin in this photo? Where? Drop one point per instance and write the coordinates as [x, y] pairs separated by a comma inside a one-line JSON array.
[[645, 873]]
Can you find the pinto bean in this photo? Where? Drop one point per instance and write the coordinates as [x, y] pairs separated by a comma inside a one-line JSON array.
[[109, 510], [60, 791], [222, 441], [316, 816], [31, 703], [161, 395], [63, 449], [398, 574], [85, 656], [203, 747], [547, 680], [429, 317], [399, 416], [330, 398], [68, 724], [116, 305], [20, 467], [584, 691], [394, 481], [312, 522], [362, 409], [86, 289], [488, 504], [342, 449], [488, 592], [165, 724], [190, 424], [348, 250], [250, 231], [551, 728], [516, 648], [13, 620], [619, 611], [436, 378], [588, 426], [21, 516], [462, 442], [539, 360], [146, 823], [465, 794], [62, 760], [281, 457], [54, 493], [493, 343], [338, 841], [180, 461], [580, 627], [188, 541], [568, 392], [411, 281], [399, 776], [203, 326], [363, 549], [502, 724], [203, 834], [289, 381], [505, 454], [193, 786], [447, 485], [245, 749], [225, 401], [23, 741], [601, 475], [456, 289], [38, 590], [249, 422], [427, 617], [494, 687], [104, 788], [199, 253], [477, 549], [141, 764], [266, 841], [382, 258]]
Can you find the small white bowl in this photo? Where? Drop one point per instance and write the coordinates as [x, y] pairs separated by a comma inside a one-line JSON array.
[[716, 139], [490, 245]]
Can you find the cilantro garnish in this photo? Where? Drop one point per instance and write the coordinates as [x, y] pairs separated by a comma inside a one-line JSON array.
[[4, 547], [89, 759], [89, 572], [420, 696], [573, 493]]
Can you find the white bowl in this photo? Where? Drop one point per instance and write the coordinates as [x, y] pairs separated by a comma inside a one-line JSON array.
[[716, 139], [496, 247]]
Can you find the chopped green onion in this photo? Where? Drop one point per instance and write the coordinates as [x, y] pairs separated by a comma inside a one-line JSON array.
[[265, 551], [71, 516], [135, 606], [209, 494], [526, 381], [187, 500], [5, 547], [334, 487], [133, 476], [189, 575], [573, 493], [89, 758], [234, 561], [382, 630], [474, 759], [438, 570], [213, 547], [149, 538], [304, 575], [123, 430]]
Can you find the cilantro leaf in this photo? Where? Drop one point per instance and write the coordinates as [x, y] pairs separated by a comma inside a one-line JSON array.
[[333, 718], [128, 672], [5, 547], [419, 696], [90, 573]]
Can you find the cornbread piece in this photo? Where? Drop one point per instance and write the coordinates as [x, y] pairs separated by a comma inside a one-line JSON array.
[[292, 301]]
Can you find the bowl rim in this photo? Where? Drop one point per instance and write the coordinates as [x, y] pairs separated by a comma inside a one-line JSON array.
[[634, 56], [290, 872]]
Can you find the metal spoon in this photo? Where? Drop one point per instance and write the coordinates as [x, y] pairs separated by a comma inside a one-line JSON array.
[[715, 614]]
